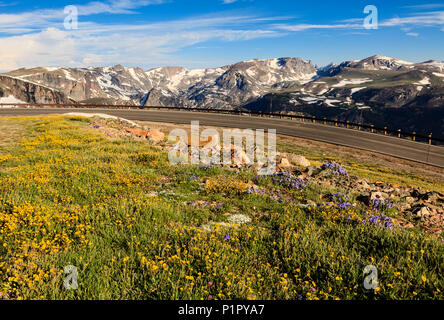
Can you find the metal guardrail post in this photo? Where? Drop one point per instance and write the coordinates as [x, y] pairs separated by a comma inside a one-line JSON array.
[[348, 124], [336, 123], [325, 120], [414, 136], [359, 126], [372, 128], [430, 138], [385, 131], [399, 133]]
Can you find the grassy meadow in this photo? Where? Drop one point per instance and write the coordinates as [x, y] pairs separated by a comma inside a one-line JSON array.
[[132, 225]]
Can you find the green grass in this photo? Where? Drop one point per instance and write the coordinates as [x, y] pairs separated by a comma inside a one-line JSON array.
[[125, 218]]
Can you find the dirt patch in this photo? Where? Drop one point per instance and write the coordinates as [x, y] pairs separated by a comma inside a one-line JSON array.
[[10, 132]]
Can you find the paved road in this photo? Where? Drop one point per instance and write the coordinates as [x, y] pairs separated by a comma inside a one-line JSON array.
[[393, 146]]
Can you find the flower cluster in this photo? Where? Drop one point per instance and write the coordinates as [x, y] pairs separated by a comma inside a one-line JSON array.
[[287, 180], [381, 205], [335, 169], [342, 200], [256, 190], [226, 187], [381, 220]]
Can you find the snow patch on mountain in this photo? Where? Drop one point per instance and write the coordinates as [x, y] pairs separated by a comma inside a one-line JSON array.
[[424, 81], [354, 90], [10, 99], [346, 82]]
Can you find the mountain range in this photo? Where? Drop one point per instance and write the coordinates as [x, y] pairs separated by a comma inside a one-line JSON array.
[[379, 90]]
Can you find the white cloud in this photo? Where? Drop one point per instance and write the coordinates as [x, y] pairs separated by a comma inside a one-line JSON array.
[[412, 34], [45, 18], [38, 37], [303, 27], [428, 6], [425, 19], [136, 45]]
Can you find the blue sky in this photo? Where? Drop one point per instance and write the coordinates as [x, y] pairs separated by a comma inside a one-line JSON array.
[[195, 34]]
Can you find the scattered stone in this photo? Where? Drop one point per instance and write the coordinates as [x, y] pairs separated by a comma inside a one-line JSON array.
[[285, 163], [422, 212], [300, 161], [413, 203], [239, 156], [429, 196], [155, 135], [404, 207], [363, 185], [137, 132], [312, 171], [410, 200], [364, 198], [378, 196]]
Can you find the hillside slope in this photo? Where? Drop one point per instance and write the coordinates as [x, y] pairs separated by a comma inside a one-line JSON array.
[[137, 227]]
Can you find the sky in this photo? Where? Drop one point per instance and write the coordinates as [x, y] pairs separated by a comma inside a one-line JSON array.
[[212, 33]]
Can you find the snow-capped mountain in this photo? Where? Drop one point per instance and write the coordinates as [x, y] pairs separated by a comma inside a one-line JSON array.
[[224, 87], [377, 62], [378, 89]]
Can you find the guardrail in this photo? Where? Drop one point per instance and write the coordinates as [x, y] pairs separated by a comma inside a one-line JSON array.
[[338, 123]]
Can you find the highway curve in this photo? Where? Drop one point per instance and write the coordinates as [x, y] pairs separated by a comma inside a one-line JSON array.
[[401, 148]]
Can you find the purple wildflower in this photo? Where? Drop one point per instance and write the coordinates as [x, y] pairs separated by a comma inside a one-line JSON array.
[[287, 180], [335, 169]]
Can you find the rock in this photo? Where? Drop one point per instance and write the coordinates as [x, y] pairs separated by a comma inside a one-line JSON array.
[[416, 193], [364, 198], [388, 190], [137, 132], [155, 135], [300, 160], [312, 171], [202, 143], [404, 207], [404, 193], [363, 185], [378, 195], [422, 212], [285, 163], [239, 156], [433, 209], [30, 92], [410, 200], [429, 196]]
